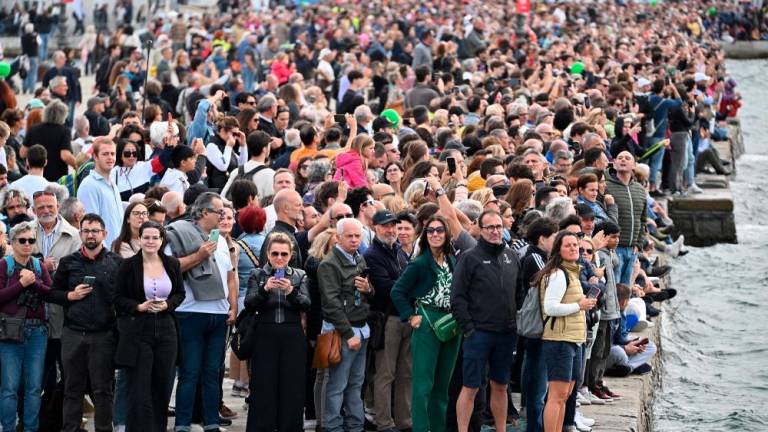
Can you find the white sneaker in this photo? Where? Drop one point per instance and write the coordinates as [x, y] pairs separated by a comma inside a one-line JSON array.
[[310, 424], [584, 420], [594, 399], [673, 250], [695, 189], [581, 398]]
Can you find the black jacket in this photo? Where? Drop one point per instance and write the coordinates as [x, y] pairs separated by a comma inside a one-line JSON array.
[[532, 263], [484, 287], [385, 265], [129, 293], [99, 125], [96, 311], [280, 226], [274, 306]]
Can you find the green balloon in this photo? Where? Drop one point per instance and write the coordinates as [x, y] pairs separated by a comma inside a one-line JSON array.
[[577, 68], [5, 69]]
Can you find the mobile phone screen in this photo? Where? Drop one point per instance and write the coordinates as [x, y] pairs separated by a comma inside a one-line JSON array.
[[594, 293], [279, 273]]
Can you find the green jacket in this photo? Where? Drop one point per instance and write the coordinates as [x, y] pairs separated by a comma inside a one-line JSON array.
[[416, 281], [336, 278]]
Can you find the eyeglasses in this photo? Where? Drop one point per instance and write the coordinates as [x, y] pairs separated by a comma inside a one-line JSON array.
[[27, 240], [38, 194], [88, 232], [220, 212], [368, 202], [435, 230], [279, 254], [343, 216], [492, 228], [393, 170], [251, 102], [582, 251], [130, 154], [139, 213]]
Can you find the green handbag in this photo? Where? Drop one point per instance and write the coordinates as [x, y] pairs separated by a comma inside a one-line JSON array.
[[446, 328]]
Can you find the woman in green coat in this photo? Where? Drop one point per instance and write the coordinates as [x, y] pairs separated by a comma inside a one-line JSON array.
[[422, 295]]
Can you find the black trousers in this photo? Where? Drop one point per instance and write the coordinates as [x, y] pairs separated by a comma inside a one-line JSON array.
[[150, 382], [277, 378]]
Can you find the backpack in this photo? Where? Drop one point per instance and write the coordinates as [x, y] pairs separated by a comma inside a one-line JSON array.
[[11, 267], [530, 321], [246, 175], [72, 181]]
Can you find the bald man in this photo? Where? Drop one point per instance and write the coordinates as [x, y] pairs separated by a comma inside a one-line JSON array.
[[288, 207]]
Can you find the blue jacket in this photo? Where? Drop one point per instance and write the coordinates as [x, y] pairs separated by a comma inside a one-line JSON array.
[[661, 108], [200, 128]]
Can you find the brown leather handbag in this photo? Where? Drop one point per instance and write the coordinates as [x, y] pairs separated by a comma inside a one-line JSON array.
[[327, 350]]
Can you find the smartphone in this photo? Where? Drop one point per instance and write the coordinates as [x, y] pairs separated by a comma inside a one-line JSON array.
[[214, 235], [226, 105], [451, 165], [643, 341], [89, 280], [340, 119], [594, 293], [364, 273], [279, 273], [342, 174]]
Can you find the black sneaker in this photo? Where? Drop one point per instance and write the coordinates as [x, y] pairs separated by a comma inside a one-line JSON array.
[[643, 369], [657, 194], [660, 271], [224, 422], [619, 371]]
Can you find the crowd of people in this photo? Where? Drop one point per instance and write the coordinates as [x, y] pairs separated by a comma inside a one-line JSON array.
[[404, 212]]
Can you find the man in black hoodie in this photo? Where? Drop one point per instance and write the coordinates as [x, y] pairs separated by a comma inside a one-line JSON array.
[[483, 301]]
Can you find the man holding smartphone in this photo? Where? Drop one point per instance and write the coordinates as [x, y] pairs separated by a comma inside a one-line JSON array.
[[84, 285]]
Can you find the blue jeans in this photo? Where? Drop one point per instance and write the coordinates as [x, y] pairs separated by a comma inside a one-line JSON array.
[[22, 362], [28, 85], [655, 161], [120, 407], [43, 50], [534, 382], [343, 389], [201, 337], [627, 257], [689, 172]]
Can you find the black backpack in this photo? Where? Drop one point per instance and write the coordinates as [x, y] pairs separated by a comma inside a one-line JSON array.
[[247, 175]]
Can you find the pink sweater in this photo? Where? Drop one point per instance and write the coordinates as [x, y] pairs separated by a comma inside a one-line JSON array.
[[354, 173]]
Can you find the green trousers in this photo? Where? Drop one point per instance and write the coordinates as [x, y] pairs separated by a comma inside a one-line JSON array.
[[433, 363]]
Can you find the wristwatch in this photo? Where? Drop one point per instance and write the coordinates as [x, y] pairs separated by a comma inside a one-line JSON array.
[[440, 192], [461, 185]]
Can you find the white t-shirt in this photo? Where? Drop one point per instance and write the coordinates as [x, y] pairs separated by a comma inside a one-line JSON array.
[[29, 184], [175, 181], [224, 263]]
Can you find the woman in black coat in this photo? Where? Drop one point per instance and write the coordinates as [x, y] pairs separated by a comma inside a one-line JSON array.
[[278, 295], [149, 288]]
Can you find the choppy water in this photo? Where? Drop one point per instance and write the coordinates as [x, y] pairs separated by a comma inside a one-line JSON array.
[[715, 339]]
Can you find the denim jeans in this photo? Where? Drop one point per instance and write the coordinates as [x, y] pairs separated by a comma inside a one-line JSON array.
[[120, 405], [619, 357], [43, 50], [343, 390], [627, 258], [534, 382], [28, 85], [689, 172], [202, 337], [22, 362], [655, 162]]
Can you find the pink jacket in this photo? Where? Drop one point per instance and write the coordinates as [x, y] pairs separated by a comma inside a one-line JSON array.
[[354, 173]]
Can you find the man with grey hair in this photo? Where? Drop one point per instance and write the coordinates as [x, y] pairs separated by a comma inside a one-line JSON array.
[[54, 135], [562, 162], [344, 293], [210, 304], [72, 94], [83, 138], [472, 209], [559, 208], [72, 211], [591, 140], [364, 118], [267, 108]]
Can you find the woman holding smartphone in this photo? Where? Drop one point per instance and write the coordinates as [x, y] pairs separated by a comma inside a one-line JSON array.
[[278, 294], [565, 329], [149, 288], [422, 296]]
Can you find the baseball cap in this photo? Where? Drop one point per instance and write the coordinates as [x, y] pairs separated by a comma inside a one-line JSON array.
[[392, 116], [585, 211], [383, 217]]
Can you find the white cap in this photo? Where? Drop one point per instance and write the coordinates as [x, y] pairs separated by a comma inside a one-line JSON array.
[[700, 76]]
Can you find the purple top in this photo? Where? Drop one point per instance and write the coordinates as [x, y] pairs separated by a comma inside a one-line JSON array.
[[158, 288]]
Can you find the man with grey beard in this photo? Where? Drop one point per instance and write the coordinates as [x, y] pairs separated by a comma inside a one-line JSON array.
[[386, 262], [56, 239]]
